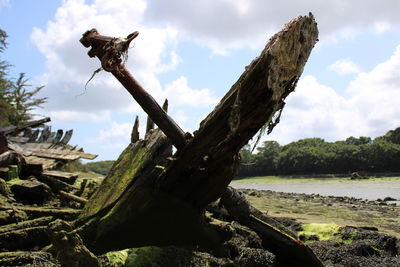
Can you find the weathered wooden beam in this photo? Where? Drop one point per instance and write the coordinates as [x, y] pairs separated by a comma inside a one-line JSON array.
[[36, 212], [149, 187], [67, 137], [204, 168], [18, 128], [56, 184], [73, 197], [135, 131], [23, 258], [24, 238], [42, 221], [109, 51], [66, 177]]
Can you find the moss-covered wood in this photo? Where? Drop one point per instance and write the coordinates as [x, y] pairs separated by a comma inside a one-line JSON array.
[[152, 198]]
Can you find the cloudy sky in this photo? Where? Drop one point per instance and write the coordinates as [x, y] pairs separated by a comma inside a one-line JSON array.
[[191, 52]]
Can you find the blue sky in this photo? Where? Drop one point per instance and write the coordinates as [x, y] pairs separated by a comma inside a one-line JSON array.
[[192, 52]]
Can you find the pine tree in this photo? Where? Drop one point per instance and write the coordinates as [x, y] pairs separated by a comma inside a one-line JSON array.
[[6, 109], [23, 100], [17, 99]]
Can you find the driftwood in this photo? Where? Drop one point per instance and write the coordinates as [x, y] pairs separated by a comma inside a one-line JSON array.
[[36, 212], [18, 128], [72, 197], [42, 221], [152, 198], [26, 238], [24, 258], [56, 184], [66, 177]]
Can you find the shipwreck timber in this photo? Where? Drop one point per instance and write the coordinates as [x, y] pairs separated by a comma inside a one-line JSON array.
[[153, 197], [147, 185]]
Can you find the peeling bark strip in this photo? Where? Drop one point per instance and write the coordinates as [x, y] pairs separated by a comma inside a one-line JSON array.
[[110, 52]]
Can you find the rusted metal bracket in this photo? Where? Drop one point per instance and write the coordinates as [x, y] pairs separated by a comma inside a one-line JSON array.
[[111, 53]]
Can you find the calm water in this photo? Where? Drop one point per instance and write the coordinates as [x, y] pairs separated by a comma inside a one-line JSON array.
[[371, 190]]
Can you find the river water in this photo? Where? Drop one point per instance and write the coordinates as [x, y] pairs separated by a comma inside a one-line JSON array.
[[365, 189]]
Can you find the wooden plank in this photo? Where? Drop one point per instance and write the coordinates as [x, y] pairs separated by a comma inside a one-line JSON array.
[[67, 177], [18, 128], [67, 137]]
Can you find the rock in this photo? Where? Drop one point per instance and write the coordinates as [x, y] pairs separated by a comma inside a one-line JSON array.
[[12, 216], [69, 246], [31, 191], [389, 199], [4, 190]]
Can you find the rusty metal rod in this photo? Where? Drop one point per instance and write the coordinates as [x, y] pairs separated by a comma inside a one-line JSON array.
[[151, 107], [99, 43]]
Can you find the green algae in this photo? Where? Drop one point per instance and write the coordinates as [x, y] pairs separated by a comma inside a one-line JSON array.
[[324, 231], [144, 256]]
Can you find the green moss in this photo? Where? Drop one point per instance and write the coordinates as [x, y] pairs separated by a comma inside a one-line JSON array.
[[349, 238], [117, 258], [12, 172], [144, 256], [324, 231], [13, 181], [120, 176]]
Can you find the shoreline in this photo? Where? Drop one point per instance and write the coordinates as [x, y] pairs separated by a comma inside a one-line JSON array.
[[314, 208]]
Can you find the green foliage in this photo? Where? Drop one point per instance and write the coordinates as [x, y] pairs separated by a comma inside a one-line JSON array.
[[74, 166], [101, 167], [17, 99], [315, 156], [23, 100]]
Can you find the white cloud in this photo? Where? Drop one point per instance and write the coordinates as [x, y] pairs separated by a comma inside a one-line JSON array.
[[180, 117], [116, 136], [371, 108], [226, 24], [344, 67], [180, 94], [68, 67], [77, 116], [382, 27]]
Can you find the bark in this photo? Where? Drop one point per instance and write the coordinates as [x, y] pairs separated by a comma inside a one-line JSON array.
[[151, 198]]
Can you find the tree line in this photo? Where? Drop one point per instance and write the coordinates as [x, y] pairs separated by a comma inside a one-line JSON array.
[[316, 156], [17, 97]]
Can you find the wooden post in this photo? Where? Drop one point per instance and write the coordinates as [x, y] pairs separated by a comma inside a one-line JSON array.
[[135, 131]]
